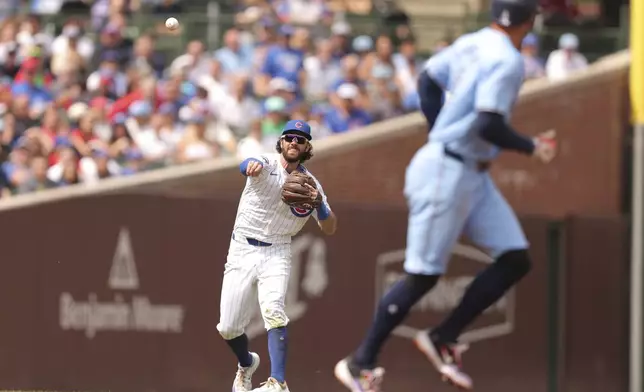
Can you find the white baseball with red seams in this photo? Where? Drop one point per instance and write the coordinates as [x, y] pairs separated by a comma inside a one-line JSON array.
[[171, 23]]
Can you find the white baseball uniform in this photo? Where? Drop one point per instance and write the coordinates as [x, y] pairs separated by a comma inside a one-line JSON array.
[[252, 264]]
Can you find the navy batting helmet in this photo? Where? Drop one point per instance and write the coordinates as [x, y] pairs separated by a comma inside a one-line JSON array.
[[513, 12]]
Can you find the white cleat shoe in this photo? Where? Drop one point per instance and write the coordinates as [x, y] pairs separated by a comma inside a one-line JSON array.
[[272, 386], [243, 380], [446, 359], [366, 381]]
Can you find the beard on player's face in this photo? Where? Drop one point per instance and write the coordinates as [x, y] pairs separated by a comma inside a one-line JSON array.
[[292, 152]]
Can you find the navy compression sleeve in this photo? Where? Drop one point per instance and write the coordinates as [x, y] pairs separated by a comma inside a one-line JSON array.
[[431, 99], [244, 165], [493, 128]]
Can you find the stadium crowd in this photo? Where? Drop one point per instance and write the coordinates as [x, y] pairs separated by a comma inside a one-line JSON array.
[[77, 109]]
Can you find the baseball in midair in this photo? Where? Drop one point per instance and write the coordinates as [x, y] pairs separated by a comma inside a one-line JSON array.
[[171, 23]]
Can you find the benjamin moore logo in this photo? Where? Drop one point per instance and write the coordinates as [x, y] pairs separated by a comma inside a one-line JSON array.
[[496, 321], [138, 315], [123, 275]]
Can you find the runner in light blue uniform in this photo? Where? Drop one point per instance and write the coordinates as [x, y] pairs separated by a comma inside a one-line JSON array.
[[450, 192]]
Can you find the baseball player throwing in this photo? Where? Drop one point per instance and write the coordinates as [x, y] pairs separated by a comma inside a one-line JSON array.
[[449, 192], [259, 257]]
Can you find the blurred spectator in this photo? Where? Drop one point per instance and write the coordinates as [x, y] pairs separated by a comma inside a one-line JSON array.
[[18, 121], [280, 87], [274, 120], [32, 82], [108, 80], [340, 39], [382, 57], [17, 169], [346, 115], [304, 12], [194, 63], [84, 138], [73, 39], [194, 146], [234, 57], [97, 166], [10, 65], [407, 66], [533, 64], [350, 75], [285, 60], [146, 137], [362, 46], [323, 68], [567, 59], [383, 93], [113, 44], [37, 179], [91, 103], [240, 110], [145, 56], [251, 145]]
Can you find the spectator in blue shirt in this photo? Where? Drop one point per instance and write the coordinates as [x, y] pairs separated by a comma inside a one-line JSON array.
[[346, 116], [534, 65], [234, 57], [285, 60], [36, 94]]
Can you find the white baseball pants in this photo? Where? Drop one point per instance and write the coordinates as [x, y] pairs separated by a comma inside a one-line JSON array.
[[254, 270]]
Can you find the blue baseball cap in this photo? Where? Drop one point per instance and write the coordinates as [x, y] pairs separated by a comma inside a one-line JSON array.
[[298, 127]]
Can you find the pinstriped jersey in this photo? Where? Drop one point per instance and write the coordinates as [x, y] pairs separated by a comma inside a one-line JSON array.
[[262, 214]]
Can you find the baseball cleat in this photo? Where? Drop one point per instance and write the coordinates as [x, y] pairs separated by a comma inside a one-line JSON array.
[[243, 379], [272, 385], [446, 358], [359, 381]]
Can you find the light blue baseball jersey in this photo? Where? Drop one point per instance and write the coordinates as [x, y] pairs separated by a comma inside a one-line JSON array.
[[446, 197], [482, 71]]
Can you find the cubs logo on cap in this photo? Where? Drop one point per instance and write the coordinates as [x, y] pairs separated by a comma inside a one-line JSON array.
[[298, 127]]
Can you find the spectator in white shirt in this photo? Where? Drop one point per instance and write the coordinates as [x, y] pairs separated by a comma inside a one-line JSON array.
[[251, 145], [322, 68], [72, 37], [153, 148], [566, 60], [240, 110], [194, 62]]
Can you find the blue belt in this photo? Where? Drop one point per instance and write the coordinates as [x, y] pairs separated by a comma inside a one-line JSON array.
[[254, 242]]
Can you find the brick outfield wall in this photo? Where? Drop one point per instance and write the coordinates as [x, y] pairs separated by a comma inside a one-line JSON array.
[[591, 119], [132, 305]]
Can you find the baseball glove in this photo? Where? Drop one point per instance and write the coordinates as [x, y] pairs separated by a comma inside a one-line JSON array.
[[296, 194]]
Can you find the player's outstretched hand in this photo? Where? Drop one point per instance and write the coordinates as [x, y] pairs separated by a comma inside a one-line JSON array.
[[254, 168], [546, 146]]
